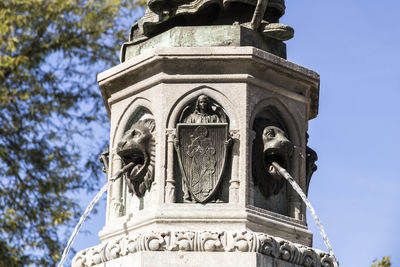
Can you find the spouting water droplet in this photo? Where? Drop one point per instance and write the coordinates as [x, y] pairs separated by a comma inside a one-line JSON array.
[[297, 188]]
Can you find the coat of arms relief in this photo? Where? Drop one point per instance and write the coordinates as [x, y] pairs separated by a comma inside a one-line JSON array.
[[202, 143]]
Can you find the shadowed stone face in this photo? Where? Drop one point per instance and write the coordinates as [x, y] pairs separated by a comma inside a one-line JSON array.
[[136, 146]]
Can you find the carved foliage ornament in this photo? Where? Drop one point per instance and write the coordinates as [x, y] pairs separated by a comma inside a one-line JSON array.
[[210, 241], [137, 145]]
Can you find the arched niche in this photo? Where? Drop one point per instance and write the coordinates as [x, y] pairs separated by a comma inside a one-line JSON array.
[[188, 99], [138, 109], [223, 109], [276, 111], [273, 112]]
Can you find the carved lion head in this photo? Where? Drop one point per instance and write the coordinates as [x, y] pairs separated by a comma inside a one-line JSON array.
[[276, 148], [137, 146]]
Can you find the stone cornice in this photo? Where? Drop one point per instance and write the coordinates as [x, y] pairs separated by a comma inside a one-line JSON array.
[[219, 65], [204, 241]]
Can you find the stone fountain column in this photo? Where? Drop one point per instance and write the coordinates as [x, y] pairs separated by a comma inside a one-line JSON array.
[[193, 108]]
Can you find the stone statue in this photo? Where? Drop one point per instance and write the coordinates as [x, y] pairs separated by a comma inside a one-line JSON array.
[[275, 147], [137, 145], [203, 112], [259, 15]]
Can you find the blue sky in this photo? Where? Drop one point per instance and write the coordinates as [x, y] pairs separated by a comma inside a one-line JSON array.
[[355, 46]]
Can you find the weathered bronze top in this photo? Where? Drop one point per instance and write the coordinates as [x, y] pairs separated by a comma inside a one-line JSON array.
[[259, 15]]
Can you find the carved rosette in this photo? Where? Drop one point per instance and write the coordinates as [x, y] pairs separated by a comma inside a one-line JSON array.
[[204, 241], [184, 241]]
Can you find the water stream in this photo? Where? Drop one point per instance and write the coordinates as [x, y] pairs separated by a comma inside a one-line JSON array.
[[297, 188], [89, 209]]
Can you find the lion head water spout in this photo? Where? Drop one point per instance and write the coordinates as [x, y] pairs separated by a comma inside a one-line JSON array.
[[137, 147]]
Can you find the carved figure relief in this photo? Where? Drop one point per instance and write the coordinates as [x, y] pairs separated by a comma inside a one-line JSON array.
[[202, 161], [137, 145], [277, 147], [203, 112], [201, 147]]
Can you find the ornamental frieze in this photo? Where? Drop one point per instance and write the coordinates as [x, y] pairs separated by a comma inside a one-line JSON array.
[[204, 241]]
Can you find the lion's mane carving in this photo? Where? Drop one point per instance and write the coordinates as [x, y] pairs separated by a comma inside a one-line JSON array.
[[137, 145], [275, 146]]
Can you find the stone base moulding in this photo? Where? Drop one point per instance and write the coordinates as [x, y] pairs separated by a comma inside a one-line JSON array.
[[204, 248]]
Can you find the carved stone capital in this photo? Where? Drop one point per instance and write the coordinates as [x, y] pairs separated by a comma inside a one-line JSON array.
[[170, 135]]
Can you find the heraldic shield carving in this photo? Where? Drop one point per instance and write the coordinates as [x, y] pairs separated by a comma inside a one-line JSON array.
[[201, 144], [202, 151]]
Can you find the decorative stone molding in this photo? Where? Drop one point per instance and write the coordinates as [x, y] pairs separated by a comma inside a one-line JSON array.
[[234, 183], [235, 180], [207, 241]]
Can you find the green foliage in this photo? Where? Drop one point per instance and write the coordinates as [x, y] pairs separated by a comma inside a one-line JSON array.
[[50, 51], [385, 262]]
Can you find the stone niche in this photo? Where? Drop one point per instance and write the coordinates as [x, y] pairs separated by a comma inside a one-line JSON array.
[[151, 209]]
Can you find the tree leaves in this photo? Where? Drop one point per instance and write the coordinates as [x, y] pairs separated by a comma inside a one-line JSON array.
[[385, 262], [50, 52]]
